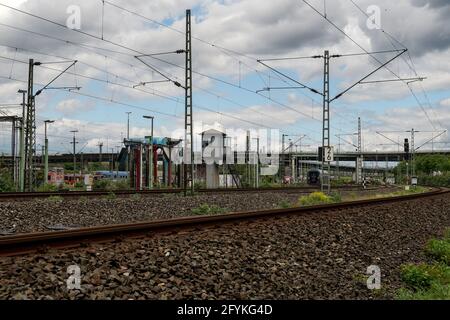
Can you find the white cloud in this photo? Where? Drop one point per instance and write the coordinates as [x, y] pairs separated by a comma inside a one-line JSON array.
[[72, 106]]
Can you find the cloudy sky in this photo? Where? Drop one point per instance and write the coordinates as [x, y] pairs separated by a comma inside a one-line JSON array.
[[229, 37]]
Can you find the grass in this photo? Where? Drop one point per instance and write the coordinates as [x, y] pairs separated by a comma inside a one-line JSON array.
[[55, 199], [429, 281], [284, 204], [83, 200], [439, 250], [317, 198], [206, 209], [111, 196], [354, 196]]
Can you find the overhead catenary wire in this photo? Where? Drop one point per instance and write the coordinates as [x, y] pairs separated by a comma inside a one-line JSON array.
[[411, 65], [99, 38], [107, 81], [363, 49]]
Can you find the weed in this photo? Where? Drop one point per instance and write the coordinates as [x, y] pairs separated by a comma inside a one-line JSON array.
[[111, 196], [284, 204], [317, 198], [83, 200], [429, 281], [55, 199], [439, 250]]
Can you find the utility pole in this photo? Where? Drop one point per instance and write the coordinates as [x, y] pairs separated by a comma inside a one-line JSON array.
[[150, 160], [46, 122], [117, 159], [100, 146], [411, 159], [128, 125], [74, 142], [128, 147], [359, 161], [188, 121], [22, 144], [30, 144], [256, 157], [326, 179]]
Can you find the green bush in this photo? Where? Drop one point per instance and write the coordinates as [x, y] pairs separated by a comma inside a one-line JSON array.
[[439, 250], [100, 184], [416, 276], [109, 185], [206, 209], [6, 181], [284, 204], [317, 198], [429, 281], [46, 187]]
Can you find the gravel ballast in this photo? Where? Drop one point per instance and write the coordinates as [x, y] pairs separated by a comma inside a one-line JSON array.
[[54, 214], [310, 256]]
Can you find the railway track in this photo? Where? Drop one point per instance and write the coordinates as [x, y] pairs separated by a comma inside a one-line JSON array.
[[16, 196], [32, 242]]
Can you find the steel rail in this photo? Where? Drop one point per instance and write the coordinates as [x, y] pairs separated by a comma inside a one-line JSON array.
[[31, 242]]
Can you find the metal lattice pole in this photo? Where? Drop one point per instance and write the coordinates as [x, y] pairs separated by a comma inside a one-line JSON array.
[[189, 135], [30, 132], [359, 162], [326, 185]]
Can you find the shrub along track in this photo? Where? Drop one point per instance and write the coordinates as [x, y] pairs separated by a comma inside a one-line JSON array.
[[290, 256]]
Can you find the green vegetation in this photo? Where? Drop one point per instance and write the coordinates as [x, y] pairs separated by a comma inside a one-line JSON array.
[[46, 187], [341, 181], [6, 181], [439, 250], [110, 185], [111, 196], [83, 200], [429, 281], [284, 204], [206, 209], [317, 198], [55, 199], [426, 166], [435, 181]]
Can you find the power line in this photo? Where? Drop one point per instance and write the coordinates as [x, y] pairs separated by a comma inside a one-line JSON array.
[[362, 48], [411, 66], [107, 81]]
